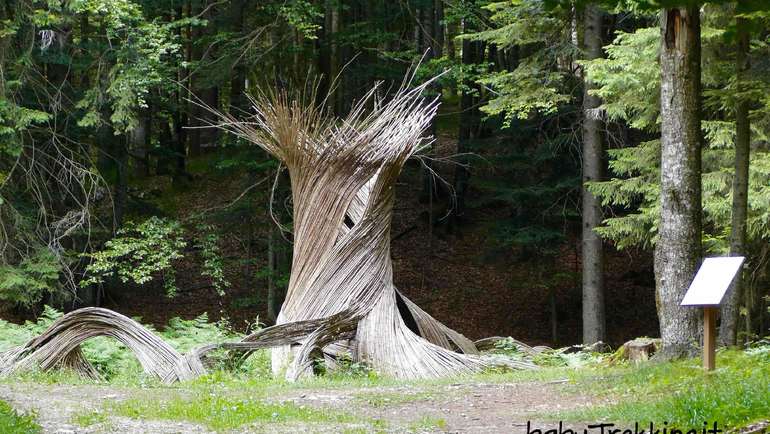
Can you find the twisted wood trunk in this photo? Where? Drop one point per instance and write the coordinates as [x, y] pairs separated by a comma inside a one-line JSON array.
[[343, 192], [341, 296]]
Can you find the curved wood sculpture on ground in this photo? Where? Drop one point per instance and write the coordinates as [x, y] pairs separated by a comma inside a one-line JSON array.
[[341, 296]]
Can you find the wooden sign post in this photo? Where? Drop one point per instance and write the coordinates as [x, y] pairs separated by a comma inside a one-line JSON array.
[[707, 291]]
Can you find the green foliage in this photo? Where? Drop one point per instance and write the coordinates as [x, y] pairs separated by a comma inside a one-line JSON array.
[[138, 253], [12, 422], [302, 15], [629, 85], [629, 79], [212, 258], [113, 360], [17, 334], [538, 84], [29, 281], [345, 367], [547, 358], [536, 178]]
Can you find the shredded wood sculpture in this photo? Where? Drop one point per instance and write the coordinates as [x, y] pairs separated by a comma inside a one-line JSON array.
[[341, 297]]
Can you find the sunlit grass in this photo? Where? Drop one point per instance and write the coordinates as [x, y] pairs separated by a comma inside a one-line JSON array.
[[225, 411], [89, 418], [683, 394], [427, 424]]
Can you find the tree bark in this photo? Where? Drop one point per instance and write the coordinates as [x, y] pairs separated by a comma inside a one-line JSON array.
[[140, 143], [728, 329], [678, 248], [331, 32], [238, 100], [202, 88], [468, 128], [592, 253], [438, 28]]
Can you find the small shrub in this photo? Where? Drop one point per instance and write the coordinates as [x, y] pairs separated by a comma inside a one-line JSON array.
[[508, 347], [140, 252]]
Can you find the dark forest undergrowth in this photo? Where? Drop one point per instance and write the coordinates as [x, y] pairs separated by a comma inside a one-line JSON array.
[[504, 291]]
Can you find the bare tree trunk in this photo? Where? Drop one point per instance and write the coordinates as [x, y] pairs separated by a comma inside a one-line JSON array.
[[728, 328], [140, 142], [468, 129], [438, 28], [238, 100], [121, 185], [202, 89], [333, 28], [592, 254], [678, 249]]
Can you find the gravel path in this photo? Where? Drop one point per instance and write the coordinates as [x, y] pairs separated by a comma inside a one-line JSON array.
[[455, 408]]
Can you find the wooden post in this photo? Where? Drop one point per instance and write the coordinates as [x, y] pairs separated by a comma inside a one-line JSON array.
[[709, 337]]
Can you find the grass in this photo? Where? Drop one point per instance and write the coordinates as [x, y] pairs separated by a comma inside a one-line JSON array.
[[680, 393], [427, 424], [12, 422], [387, 399], [226, 411], [90, 418], [736, 394]]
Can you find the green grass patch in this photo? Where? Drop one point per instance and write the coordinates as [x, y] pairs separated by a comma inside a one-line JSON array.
[[737, 393], [222, 412], [89, 418], [388, 399], [13, 422], [427, 424]]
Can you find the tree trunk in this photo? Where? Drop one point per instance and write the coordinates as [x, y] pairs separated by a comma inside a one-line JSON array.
[[333, 28], [140, 143], [238, 100], [592, 254], [728, 328], [438, 28], [678, 249], [202, 89], [468, 127], [121, 185]]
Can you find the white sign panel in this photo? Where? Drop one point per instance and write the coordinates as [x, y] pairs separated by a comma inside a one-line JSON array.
[[712, 281]]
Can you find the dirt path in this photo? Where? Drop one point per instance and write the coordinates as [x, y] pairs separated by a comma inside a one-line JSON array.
[[455, 408]]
